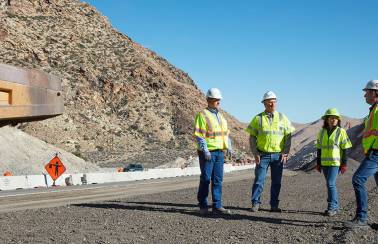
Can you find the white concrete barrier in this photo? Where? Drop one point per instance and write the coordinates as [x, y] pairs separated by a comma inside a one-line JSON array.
[[13, 182], [33, 181]]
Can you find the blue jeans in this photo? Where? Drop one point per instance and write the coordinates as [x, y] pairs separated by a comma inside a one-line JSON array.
[[211, 171], [276, 167], [368, 167], [330, 174]]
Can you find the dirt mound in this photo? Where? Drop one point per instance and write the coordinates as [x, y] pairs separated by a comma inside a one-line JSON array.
[[123, 102], [23, 154]]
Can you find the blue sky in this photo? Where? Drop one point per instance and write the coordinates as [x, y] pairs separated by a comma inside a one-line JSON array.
[[313, 54]]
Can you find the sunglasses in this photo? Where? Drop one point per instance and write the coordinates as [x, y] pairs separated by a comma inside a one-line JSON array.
[[214, 100]]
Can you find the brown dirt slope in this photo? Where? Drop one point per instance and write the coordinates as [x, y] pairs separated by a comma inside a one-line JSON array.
[[123, 102]]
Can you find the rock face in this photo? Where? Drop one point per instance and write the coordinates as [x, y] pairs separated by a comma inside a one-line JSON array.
[[123, 102]]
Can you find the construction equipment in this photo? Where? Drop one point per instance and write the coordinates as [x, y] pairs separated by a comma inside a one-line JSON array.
[[28, 95]]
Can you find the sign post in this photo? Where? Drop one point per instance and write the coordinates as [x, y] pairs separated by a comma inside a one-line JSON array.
[[55, 168]]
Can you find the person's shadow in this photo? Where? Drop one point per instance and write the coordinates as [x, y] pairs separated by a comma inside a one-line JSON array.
[[192, 209], [374, 226], [292, 211]]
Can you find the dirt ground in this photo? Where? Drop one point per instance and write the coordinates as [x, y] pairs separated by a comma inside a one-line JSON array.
[[172, 217]]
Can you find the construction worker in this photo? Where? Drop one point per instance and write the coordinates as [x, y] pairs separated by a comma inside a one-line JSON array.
[[211, 133], [270, 141], [369, 166], [332, 143]]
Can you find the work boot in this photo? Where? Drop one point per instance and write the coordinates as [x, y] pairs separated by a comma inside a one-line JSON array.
[[356, 223], [275, 210], [204, 211], [221, 210], [255, 207], [330, 213]]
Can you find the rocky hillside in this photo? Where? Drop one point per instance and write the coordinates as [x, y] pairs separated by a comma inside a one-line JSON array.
[[123, 102]]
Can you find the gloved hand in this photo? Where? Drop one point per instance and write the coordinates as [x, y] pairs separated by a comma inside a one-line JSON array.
[[207, 155], [318, 168], [284, 158], [343, 168]]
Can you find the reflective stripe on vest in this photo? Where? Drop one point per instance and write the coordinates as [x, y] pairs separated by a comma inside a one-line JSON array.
[[331, 159], [269, 132], [215, 138], [210, 133], [270, 140], [336, 144], [208, 121], [344, 142], [370, 134], [330, 154]]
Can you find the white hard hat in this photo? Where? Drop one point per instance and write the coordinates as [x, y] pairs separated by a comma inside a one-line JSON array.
[[269, 95], [371, 85], [214, 93]]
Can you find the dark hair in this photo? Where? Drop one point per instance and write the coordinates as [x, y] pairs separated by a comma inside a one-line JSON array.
[[325, 124]]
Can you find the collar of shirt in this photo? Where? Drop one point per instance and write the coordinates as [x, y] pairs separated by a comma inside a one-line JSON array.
[[269, 115], [372, 106], [330, 131], [213, 110]]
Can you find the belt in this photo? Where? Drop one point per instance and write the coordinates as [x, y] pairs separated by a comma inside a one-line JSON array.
[[215, 150], [261, 152]]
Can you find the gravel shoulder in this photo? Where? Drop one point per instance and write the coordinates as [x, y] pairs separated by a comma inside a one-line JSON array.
[[172, 217]]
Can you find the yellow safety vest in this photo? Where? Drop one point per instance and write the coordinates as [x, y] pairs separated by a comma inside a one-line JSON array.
[[270, 136], [206, 125], [370, 135], [330, 146]]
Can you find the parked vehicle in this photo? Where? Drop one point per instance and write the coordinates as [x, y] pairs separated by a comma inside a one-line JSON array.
[[133, 167]]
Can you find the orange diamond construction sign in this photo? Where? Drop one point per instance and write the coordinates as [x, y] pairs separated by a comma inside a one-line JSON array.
[[55, 168]]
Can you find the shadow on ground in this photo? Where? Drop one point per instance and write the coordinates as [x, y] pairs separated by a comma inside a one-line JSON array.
[[192, 209]]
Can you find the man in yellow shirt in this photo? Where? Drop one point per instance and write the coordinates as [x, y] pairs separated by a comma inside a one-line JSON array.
[[211, 133], [369, 165], [270, 141]]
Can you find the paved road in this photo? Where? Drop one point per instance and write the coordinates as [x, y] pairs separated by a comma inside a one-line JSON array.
[[166, 211], [61, 196]]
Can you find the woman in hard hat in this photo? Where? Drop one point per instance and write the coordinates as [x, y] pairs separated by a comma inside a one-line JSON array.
[[332, 142]]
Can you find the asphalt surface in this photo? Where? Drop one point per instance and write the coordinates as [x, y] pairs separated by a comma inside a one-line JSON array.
[[60, 196], [170, 215]]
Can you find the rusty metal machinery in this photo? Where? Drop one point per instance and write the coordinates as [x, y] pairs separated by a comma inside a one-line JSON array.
[[28, 95]]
